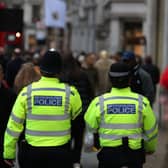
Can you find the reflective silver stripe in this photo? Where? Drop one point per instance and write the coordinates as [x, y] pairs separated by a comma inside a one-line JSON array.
[[140, 107], [101, 101], [47, 117], [147, 132], [29, 102], [17, 119], [121, 126], [118, 74], [48, 89], [120, 97], [117, 137], [117, 97], [67, 98], [47, 133], [13, 133]]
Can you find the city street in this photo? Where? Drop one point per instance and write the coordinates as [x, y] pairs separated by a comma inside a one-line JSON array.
[[93, 46]]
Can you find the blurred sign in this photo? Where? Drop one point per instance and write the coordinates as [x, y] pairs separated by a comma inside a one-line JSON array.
[[14, 38], [40, 35], [11, 37], [40, 32], [55, 13]]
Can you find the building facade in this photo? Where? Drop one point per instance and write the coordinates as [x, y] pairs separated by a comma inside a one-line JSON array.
[[33, 29], [114, 25]]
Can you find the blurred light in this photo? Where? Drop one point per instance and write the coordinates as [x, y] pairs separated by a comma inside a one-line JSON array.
[[18, 34], [2, 5]]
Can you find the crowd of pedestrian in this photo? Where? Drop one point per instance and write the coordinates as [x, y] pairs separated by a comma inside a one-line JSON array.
[[85, 87]]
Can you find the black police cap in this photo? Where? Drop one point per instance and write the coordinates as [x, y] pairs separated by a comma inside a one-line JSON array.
[[51, 62], [119, 69]]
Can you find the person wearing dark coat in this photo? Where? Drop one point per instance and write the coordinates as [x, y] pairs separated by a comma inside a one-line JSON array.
[[141, 81], [3, 58], [153, 70], [7, 99], [74, 75], [13, 67]]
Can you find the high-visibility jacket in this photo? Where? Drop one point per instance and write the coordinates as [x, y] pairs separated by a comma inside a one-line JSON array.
[[46, 108], [123, 113]]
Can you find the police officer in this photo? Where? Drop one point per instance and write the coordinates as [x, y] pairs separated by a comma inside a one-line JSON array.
[[46, 108], [125, 122]]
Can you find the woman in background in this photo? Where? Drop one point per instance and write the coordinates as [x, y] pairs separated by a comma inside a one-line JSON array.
[[26, 75]]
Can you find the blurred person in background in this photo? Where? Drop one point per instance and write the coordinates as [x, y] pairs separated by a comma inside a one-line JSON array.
[[91, 71], [7, 99], [141, 81], [116, 57], [3, 59], [153, 70], [26, 75], [13, 66], [81, 58], [75, 76], [36, 62], [102, 65]]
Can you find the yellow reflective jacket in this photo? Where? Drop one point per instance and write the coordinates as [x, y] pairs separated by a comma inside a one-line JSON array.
[[46, 107], [123, 113]]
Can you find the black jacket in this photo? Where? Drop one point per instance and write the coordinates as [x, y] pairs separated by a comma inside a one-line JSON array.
[[82, 84], [12, 69], [141, 83]]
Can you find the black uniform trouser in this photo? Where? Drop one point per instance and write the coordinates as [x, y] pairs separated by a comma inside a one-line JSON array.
[[44, 157], [118, 157]]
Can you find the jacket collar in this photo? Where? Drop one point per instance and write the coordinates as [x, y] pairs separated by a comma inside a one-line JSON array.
[[50, 79], [115, 90]]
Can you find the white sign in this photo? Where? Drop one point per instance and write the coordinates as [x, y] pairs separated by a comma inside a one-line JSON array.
[[55, 13]]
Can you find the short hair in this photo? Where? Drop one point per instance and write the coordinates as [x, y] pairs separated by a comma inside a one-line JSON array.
[[120, 82]]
